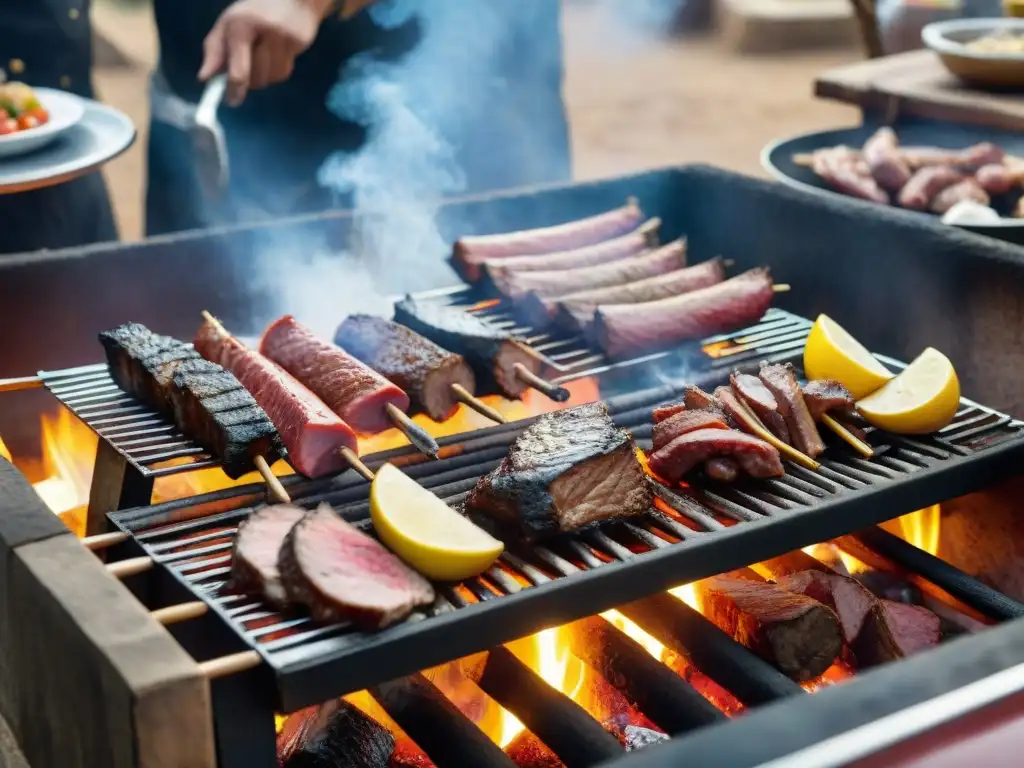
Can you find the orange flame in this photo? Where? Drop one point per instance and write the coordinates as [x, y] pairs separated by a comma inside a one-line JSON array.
[[921, 528], [4, 452]]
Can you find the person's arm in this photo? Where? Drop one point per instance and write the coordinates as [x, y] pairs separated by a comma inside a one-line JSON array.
[[256, 41]]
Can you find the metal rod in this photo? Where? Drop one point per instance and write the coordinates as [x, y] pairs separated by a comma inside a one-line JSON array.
[[528, 377], [562, 724], [420, 439], [273, 484], [464, 396], [19, 384]]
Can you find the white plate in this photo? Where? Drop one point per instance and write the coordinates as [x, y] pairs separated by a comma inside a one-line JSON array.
[[65, 110]]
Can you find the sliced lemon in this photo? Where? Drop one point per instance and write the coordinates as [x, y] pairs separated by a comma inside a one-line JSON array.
[[425, 532], [922, 399], [832, 353]]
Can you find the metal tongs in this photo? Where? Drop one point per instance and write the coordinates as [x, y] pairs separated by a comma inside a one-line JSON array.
[[211, 147]]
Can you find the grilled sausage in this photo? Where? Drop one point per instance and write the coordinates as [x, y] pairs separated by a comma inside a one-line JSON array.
[[925, 184], [844, 170], [968, 189], [995, 178], [887, 166]]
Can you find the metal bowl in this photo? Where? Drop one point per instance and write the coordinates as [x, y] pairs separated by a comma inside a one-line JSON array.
[[777, 159], [990, 69]]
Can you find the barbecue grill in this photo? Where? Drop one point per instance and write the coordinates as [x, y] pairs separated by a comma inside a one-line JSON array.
[[837, 261]]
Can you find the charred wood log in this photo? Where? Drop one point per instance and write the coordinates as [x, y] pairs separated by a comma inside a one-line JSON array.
[[334, 735]]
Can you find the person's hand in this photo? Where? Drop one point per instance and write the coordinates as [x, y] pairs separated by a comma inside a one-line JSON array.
[[257, 41]]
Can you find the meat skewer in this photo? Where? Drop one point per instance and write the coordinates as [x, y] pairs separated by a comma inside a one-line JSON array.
[[435, 379], [205, 401], [359, 395], [494, 355], [311, 432], [781, 382], [469, 252], [824, 395], [887, 165]]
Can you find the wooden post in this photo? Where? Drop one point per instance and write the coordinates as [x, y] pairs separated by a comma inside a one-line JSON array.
[[87, 677], [116, 484]]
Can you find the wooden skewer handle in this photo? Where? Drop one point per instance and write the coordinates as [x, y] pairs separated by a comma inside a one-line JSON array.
[[463, 395], [273, 483], [182, 612], [356, 463], [528, 377], [19, 384], [104, 540], [418, 436], [230, 665], [124, 568], [846, 435]]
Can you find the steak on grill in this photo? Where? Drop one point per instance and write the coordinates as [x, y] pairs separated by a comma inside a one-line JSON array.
[[558, 282], [663, 412], [256, 549], [470, 251], [491, 353], [311, 432], [795, 633], [206, 402], [828, 396], [781, 382], [334, 735], [410, 361], [629, 329], [341, 574], [687, 452], [567, 470], [752, 391], [357, 393], [894, 631], [666, 431], [851, 601]]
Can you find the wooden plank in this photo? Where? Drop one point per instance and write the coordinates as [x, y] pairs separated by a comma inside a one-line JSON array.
[[87, 677], [22, 519], [917, 84]]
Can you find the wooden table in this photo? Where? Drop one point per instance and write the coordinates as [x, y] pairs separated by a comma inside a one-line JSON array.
[[916, 84]]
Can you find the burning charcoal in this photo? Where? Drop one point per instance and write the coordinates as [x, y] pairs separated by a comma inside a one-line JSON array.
[[638, 738], [334, 735], [797, 634], [527, 749]]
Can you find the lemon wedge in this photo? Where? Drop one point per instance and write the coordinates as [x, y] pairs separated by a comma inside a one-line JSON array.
[[425, 532], [832, 353], [923, 398]]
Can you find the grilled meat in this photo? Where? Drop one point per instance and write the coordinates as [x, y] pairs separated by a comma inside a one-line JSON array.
[[925, 185], [896, 630], [341, 574], [334, 735], [666, 431], [412, 362], [357, 393], [567, 470], [206, 402], [752, 391], [781, 382], [687, 452], [491, 353], [575, 312], [558, 282], [256, 548], [851, 601], [845, 170], [828, 396], [966, 189], [722, 469], [696, 399], [996, 178], [311, 432], [631, 244], [887, 166], [667, 411], [470, 252], [629, 329], [798, 635], [968, 159]]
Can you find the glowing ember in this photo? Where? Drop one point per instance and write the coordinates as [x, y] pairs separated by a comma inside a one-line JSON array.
[[650, 644], [687, 594]]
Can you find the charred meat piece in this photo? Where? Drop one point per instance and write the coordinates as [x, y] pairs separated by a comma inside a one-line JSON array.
[[797, 634], [341, 574], [666, 431], [894, 631], [851, 601], [256, 548], [925, 185], [667, 411], [828, 396], [491, 353], [567, 470], [887, 165], [722, 469], [469, 252], [412, 362], [629, 329], [803, 434], [631, 244], [969, 159], [558, 282], [334, 735], [695, 398], [206, 402], [966, 189], [311, 432], [351, 389], [687, 452], [752, 391]]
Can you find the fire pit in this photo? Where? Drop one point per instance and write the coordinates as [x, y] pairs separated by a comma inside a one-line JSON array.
[[577, 651]]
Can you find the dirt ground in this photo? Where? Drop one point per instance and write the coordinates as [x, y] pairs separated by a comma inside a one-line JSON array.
[[633, 104]]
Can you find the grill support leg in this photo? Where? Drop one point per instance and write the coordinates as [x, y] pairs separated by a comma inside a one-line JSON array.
[[116, 484]]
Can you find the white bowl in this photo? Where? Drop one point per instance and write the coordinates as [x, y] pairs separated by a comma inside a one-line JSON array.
[[987, 68], [65, 111]]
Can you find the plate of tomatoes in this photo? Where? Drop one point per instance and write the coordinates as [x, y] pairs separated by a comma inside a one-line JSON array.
[[31, 118]]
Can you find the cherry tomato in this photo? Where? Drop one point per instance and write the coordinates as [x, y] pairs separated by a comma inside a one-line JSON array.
[[39, 113], [27, 121], [8, 125]]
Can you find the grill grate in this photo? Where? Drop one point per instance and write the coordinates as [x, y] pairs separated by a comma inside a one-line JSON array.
[[156, 447], [693, 533]]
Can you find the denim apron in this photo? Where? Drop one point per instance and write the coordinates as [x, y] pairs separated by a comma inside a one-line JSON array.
[[48, 43], [280, 137]]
